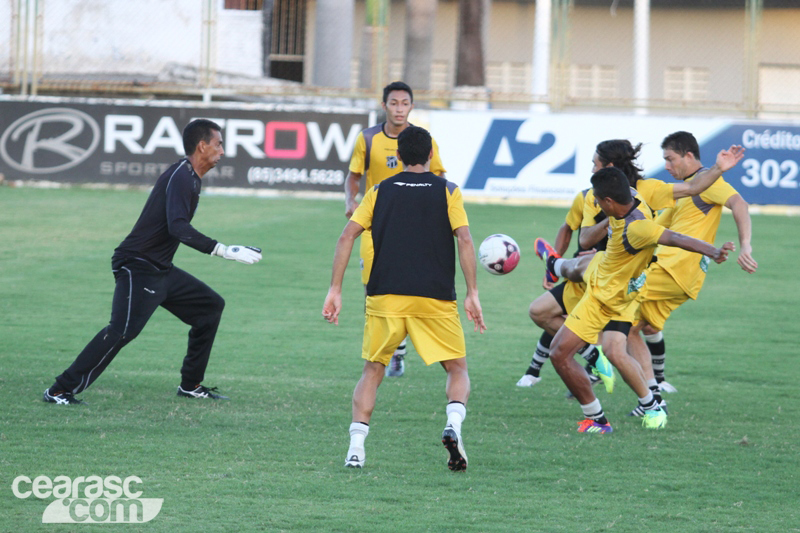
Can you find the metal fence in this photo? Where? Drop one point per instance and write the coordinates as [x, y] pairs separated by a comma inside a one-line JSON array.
[[705, 56]]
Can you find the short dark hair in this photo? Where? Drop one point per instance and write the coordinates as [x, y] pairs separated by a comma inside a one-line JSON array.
[[196, 131], [611, 182], [397, 86], [682, 143], [622, 154], [414, 145]]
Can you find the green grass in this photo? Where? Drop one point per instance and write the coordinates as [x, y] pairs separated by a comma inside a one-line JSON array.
[[271, 459]]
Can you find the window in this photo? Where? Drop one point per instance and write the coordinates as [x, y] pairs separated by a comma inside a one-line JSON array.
[[246, 5], [287, 48], [779, 84], [507, 77], [593, 81], [686, 83]]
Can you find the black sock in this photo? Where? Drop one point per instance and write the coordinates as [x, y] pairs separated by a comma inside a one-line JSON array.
[[541, 355], [590, 355], [658, 352], [188, 386], [656, 394]]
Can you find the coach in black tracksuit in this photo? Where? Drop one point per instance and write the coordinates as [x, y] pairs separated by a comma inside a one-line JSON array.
[[146, 278]]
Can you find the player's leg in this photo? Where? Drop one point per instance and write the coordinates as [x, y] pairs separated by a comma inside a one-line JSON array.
[[654, 338], [137, 294], [441, 340], [615, 338], [582, 326], [547, 312], [639, 351], [199, 306], [557, 267], [381, 336]]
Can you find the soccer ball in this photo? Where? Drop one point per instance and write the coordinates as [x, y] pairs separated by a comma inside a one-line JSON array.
[[499, 254]]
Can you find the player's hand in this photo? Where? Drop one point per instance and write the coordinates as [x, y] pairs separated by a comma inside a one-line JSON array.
[[332, 306], [746, 260], [727, 159], [547, 284], [472, 306], [722, 252], [350, 208], [244, 254]]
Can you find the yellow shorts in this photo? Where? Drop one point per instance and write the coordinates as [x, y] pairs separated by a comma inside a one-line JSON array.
[[435, 339], [573, 292], [587, 275], [367, 253], [590, 317], [661, 295]]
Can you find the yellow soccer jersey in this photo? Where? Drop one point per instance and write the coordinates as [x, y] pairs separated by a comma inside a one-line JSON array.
[[632, 240], [375, 156], [656, 193], [575, 214], [698, 217], [592, 214]]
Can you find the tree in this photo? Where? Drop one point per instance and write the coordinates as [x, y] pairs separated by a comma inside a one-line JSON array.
[[420, 25], [470, 68]]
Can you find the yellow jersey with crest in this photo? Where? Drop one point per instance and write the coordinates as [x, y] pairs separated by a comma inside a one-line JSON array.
[[375, 156], [632, 239], [696, 216]]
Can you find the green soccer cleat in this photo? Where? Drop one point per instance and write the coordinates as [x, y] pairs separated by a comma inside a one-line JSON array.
[[604, 370], [655, 419]]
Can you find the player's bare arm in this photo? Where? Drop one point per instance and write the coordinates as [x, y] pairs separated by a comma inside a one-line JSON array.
[[741, 216], [344, 246], [679, 240], [726, 160], [351, 185], [593, 234], [466, 257]]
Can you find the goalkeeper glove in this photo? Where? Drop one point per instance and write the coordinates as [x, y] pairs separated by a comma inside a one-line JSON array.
[[244, 254]]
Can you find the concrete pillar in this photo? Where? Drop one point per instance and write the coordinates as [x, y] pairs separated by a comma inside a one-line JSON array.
[[333, 43]]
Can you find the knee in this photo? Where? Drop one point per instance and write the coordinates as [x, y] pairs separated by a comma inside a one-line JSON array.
[[538, 314]]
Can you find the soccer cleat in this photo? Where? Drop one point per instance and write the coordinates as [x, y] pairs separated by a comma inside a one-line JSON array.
[[654, 419], [201, 392], [528, 381], [355, 458], [544, 251], [604, 370], [665, 386], [396, 366], [594, 380], [458, 457], [61, 398], [639, 411], [591, 426]]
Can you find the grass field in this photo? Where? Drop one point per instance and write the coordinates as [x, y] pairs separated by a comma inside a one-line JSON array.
[[271, 459]]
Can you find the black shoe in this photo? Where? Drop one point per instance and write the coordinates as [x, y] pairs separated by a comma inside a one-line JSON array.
[[201, 391], [458, 457], [62, 398]]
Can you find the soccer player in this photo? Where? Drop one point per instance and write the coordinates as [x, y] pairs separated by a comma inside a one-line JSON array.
[[375, 155], [609, 303], [146, 278], [411, 290], [678, 275]]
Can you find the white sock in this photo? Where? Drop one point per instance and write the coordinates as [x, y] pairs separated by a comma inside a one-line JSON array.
[[647, 400], [652, 383], [358, 432], [456, 413], [655, 337], [557, 267], [592, 410]]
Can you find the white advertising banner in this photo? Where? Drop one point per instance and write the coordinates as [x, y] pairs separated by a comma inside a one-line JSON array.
[[513, 155]]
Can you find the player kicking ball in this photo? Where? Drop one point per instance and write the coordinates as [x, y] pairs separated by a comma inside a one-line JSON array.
[[411, 289], [146, 278]]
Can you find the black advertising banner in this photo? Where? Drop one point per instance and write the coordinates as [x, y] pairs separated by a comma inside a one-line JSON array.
[[134, 144]]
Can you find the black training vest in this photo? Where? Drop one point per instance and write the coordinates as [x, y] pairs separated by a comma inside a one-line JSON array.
[[415, 251]]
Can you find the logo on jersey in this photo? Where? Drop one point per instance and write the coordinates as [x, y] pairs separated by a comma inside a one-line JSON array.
[[391, 161], [49, 140], [404, 184]]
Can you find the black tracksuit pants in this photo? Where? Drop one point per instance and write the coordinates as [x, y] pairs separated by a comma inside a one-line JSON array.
[[140, 289]]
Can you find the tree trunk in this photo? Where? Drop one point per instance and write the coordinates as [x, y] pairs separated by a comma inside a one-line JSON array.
[[470, 63], [420, 26]]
